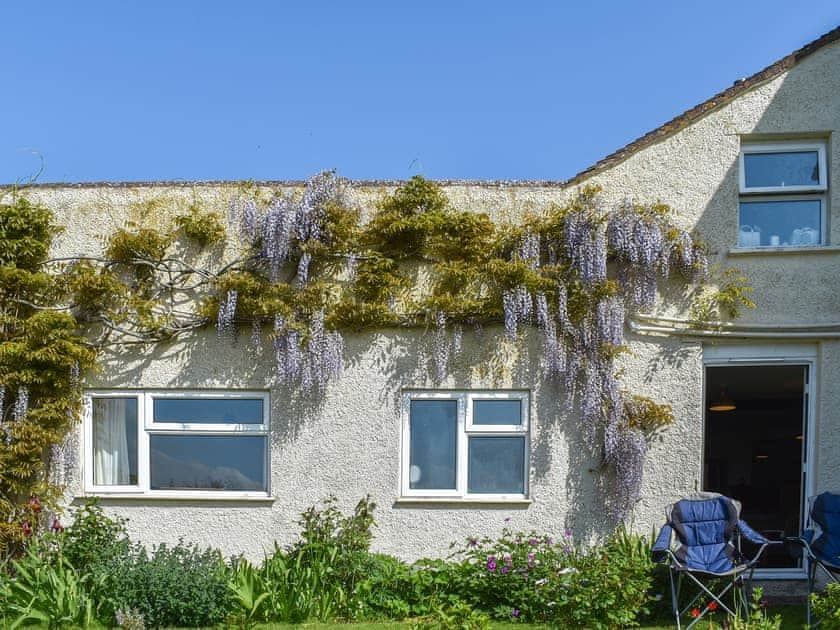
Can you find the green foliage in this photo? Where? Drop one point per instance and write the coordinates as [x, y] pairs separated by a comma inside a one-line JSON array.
[[757, 619], [646, 414], [249, 593], [45, 589], [137, 244], [170, 586], [536, 579], [40, 352], [826, 607], [94, 290], [93, 539], [732, 293], [457, 616], [205, 228], [26, 231]]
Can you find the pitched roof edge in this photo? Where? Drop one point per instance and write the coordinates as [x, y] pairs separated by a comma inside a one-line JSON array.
[[706, 107]]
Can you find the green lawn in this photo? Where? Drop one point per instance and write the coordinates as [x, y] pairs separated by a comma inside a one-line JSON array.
[[793, 618]]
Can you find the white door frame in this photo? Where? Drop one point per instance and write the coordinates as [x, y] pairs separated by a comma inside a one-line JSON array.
[[744, 354]]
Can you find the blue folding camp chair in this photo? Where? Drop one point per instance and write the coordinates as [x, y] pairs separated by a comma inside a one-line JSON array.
[[701, 540], [821, 540]]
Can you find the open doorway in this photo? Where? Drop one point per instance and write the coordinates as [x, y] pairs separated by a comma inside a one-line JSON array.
[[755, 447]]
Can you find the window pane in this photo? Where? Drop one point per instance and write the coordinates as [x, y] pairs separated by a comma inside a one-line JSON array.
[[208, 462], [433, 438], [497, 465], [497, 412], [209, 410], [783, 222], [794, 168], [115, 441]]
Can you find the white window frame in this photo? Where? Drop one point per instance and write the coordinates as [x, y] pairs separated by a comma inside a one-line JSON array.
[[783, 147], [466, 428], [146, 427]]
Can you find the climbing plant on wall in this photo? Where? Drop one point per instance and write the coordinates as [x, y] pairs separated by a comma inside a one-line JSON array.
[[310, 271]]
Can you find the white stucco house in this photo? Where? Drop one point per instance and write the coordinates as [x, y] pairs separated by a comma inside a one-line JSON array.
[[755, 169]]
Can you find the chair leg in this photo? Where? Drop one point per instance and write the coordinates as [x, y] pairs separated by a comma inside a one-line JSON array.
[[675, 596], [812, 572]]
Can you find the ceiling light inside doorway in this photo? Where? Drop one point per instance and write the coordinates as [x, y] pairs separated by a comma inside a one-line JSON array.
[[723, 403]]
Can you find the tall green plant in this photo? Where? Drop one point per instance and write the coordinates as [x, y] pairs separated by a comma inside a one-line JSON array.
[[45, 589]]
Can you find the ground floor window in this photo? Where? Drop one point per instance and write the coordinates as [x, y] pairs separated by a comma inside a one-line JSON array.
[[467, 444], [165, 442]]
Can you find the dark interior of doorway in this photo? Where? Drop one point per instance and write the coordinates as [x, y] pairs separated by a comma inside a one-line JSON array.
[[755, 452]]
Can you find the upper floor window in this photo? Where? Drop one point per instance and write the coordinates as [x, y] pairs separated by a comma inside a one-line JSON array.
[[783, 198], [465, 445], [163, 442]]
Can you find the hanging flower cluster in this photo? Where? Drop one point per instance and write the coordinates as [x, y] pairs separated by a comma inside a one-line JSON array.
[[286, 231], [289, 224], [310, 360]]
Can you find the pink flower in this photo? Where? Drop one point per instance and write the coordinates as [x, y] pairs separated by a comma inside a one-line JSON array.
[[515, 612], [27, 528], [568, 533], [57, 527], [35, 504]]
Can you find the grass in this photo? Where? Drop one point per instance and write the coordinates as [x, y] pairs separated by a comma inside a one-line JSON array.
[[793, 618]]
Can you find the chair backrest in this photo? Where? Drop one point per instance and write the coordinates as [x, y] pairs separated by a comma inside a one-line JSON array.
[[705, 525], [825, 520]]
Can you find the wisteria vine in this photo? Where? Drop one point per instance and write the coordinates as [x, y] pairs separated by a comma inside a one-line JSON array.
[[575, 276]]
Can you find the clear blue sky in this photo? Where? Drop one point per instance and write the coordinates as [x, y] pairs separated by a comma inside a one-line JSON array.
[[152, 90]]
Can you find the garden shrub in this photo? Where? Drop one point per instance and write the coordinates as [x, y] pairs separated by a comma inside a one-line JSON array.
[[93, 539], [317, 577], [180, 585], [538, 579], [826, 607]]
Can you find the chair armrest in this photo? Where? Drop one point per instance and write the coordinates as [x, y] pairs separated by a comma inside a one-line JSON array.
[[754, 537], [662, 545]]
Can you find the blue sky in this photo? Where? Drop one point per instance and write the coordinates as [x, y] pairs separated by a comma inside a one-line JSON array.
[[154, 90]]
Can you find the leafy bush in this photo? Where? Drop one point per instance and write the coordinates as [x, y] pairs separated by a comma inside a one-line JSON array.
[[44, 588], [557, 582], [318, 577], [826, 607], [93, 539], [172, 586]]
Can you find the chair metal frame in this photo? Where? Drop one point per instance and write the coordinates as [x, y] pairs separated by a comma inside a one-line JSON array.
[[740, 586], [814, 559]]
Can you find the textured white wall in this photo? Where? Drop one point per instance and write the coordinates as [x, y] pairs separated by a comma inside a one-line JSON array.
[[349, 444]]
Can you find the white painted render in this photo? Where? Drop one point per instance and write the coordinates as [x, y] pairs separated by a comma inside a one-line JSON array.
[[348, 444]]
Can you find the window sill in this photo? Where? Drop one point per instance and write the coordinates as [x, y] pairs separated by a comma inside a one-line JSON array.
[[775, 251], [208, 497], [461, 501]]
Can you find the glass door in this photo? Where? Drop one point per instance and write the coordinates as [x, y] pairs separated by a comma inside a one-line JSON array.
[[755, 447]]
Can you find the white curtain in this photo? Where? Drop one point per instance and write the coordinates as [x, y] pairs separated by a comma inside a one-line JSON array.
[[110, 442]]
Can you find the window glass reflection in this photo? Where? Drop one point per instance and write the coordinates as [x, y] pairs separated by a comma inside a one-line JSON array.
[[780, 223], [433, 444], [497, 412], [794, 168], [496, 465], [209, 410], [208, 462]]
